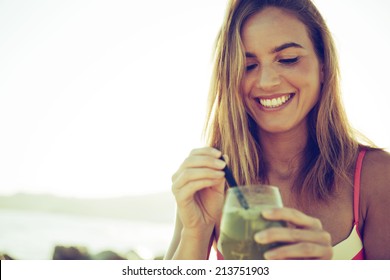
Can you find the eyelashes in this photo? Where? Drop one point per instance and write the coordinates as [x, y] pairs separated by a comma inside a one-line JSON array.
[[283, 61], [289, 61], [250, 67]]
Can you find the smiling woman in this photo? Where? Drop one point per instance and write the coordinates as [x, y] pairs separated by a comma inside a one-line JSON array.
[[105, 98], [276, 112]]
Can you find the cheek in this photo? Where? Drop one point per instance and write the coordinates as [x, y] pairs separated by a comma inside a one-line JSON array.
[[245, 94], [307, 78], [246, 85]]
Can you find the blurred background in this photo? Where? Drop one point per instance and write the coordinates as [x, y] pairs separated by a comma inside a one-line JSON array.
[[100, 102]]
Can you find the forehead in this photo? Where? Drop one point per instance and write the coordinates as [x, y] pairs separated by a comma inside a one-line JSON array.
[[272, 27]]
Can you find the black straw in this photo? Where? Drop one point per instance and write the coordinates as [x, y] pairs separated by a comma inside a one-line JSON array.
[[233, 185]]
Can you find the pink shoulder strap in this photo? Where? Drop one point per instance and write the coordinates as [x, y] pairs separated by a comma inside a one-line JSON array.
[[356, 185]]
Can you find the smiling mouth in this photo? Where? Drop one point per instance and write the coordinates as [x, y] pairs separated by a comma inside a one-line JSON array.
[[275, 102]]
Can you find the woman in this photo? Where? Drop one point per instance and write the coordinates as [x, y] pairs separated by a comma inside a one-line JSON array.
[[275, 111]]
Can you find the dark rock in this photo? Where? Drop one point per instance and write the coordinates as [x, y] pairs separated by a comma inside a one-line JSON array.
[[70, 253], [5, 257]]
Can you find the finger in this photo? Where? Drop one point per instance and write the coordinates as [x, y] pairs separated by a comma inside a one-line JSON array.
[[304, 250], [292, 235], [203, 161], [206, 151], [199, 161], [186, 195], [294, 217], [226, 158], [195, 174]]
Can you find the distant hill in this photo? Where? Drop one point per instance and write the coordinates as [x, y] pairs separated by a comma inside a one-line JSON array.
[[151, 208]]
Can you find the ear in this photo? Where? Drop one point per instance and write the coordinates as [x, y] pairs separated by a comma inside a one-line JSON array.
[[322, 73]]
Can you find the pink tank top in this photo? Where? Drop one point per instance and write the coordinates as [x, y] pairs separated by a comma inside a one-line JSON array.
[[350, 248]]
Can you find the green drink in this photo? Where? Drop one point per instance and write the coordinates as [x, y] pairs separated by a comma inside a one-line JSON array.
[[239, 225]]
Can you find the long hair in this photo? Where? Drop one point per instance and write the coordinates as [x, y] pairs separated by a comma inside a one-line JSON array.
[[331, 147]]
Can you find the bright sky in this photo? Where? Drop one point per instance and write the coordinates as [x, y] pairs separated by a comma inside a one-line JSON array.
[[106, 98]]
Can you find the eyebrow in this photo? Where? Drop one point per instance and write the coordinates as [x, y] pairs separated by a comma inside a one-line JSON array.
[[278, 48], [286, 46]]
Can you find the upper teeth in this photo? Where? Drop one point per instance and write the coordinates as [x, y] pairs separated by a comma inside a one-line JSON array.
[[274, 102]]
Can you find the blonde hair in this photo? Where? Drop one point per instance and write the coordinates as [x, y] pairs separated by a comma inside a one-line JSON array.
[[331, 148]]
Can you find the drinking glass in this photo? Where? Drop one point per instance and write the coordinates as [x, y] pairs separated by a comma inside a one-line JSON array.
[[239, 224]]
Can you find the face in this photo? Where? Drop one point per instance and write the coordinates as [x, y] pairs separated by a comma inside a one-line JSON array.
[[283, 74]]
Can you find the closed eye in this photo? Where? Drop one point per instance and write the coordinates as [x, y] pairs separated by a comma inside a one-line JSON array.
[[251, 67], [289, 61]]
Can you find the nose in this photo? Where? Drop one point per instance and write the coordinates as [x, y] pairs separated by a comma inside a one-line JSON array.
[[268, 78]]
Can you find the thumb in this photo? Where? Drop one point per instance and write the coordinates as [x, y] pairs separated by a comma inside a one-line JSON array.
[[225, 158]]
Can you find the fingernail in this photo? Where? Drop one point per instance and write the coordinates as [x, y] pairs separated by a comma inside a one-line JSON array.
[[217, 152], [267, 212], [225, 158], [260, 237], [221, 164], [269, 255]]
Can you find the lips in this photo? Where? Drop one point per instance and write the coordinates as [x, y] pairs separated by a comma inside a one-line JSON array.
[[274, 102]]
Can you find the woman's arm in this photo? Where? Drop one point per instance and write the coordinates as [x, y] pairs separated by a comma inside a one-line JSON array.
[[198, 187], [183, 247], [175, 239], [375, 205]]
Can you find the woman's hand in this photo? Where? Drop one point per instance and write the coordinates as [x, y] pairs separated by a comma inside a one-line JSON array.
[[305, 239], [198, 187]]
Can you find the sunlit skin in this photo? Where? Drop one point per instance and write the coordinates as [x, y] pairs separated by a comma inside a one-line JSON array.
[[280, 62]]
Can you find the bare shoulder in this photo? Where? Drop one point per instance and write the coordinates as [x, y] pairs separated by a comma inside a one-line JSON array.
[[377, 164], [375, 203], [375, 177]]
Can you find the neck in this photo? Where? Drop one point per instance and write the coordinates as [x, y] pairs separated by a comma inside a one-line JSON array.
[[283, 152]]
